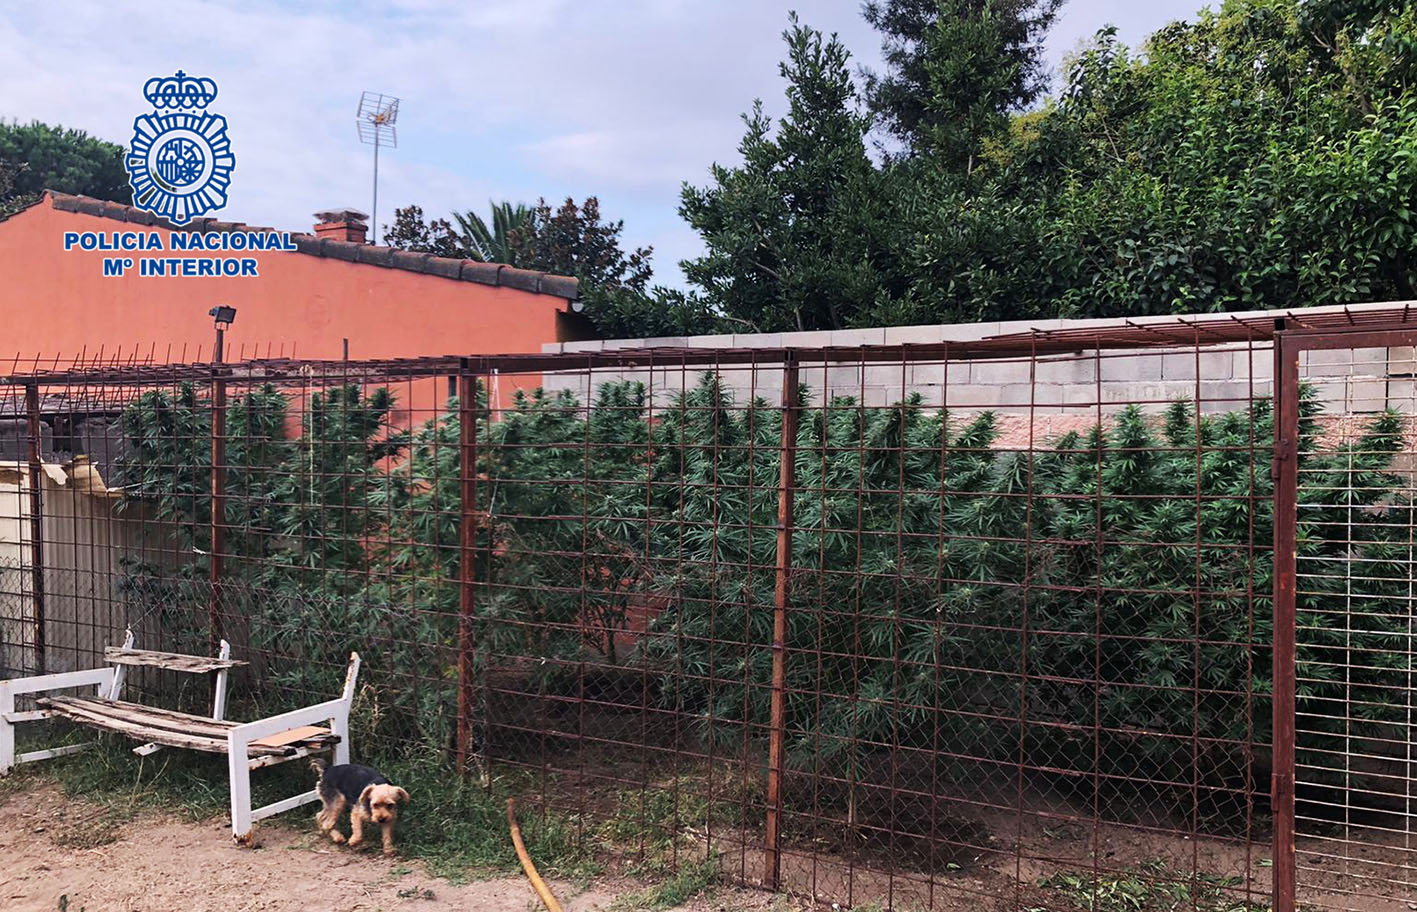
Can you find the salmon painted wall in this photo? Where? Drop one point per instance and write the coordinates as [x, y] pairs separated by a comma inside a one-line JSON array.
[[58, 303]]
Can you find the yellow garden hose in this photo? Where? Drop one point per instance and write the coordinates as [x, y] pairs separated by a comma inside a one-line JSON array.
[[537, 883]]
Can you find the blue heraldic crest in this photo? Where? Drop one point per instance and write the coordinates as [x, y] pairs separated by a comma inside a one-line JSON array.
[[179, 162]]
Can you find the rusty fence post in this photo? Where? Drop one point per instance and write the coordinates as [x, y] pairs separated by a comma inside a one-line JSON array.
[[467, 556], [1286, 500], [215, 562], [787, 480], [36, 471]]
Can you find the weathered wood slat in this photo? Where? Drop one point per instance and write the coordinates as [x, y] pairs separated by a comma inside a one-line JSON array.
[[172, 661], [139, 732], [142, 726], [293, 736], [152, 715], [305, 750]]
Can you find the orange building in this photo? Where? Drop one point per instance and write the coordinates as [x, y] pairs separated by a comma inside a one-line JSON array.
[[305, 302]]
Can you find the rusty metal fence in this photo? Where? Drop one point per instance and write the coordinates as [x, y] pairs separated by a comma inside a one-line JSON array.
[[934, 626]]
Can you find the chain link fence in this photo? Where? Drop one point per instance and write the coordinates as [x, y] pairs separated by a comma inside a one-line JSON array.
[[878, 625]]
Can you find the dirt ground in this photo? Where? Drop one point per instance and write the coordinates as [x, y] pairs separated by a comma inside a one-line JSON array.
[[62, 855]]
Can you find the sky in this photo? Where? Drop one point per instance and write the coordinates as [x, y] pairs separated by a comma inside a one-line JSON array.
[[501, 99]]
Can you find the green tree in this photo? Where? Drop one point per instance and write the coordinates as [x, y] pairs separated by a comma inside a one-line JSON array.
[[797, 235], [436, 236], [571, 240], [955, 69], [37, 157], [497, 243]]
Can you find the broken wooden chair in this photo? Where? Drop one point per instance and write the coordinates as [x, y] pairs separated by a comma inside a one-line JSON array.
[[247, 745]]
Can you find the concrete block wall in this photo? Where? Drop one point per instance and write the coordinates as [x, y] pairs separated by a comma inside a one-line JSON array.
[[1223, 378]]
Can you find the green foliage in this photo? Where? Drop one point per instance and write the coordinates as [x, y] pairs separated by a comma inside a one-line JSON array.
[[930, 568], [955, 69], [794, 234], [1154, 887], [571, 240], [35, 157], [495, 244], [1259, 156]]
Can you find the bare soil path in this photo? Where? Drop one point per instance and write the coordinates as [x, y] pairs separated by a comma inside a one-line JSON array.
[[65, 854]]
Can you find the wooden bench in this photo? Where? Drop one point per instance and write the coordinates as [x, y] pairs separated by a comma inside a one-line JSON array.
[[247, 745]]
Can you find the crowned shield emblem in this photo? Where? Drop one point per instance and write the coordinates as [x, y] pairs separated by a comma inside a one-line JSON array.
[[180, 161]]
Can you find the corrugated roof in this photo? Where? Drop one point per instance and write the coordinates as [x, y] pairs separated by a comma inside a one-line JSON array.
[[444, 267]]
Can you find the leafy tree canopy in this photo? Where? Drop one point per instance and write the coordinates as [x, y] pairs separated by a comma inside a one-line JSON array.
[[35, 157], [1259, 156], [573, 240], [955, 68]]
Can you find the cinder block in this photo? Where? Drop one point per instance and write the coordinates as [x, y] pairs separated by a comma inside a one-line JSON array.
[[854, 337], [1257, 363], [1130, 368], [819, 338], [1067, 371], [1214, 365], [879, 397], [718, 340], [1402, 361], [843, 380], [1354, 395], [933, 373], [1402, 395], [757, 340], [888, 376], [1011, 397], [586, 345], [904, 335], [1343, 362], [999, 372], [1232, 396], [665, 342]]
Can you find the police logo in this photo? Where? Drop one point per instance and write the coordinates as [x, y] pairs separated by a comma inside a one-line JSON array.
[[179, 162]]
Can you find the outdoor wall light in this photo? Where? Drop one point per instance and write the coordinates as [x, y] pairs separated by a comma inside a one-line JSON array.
[[223, 314]]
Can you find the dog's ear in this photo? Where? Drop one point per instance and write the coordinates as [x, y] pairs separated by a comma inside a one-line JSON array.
[[402, 795], [364, 796]]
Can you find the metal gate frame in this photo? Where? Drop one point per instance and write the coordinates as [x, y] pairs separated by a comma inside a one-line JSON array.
[[1289, 344]]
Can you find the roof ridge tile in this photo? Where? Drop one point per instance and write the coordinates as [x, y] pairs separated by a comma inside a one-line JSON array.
[[497, 274]]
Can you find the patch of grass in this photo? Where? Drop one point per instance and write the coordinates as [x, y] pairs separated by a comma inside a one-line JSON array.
[[655, 824], [1155, 887], [689, 881], [452, 825], [459, 831]]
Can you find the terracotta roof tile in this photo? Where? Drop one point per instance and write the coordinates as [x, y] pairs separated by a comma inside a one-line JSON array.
[[447, 267], [387, 257], [525, 279]]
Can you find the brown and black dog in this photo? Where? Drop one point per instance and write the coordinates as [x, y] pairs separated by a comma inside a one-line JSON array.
[[368, 796]]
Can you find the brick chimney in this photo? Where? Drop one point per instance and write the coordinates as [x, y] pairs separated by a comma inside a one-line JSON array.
[[342, 225]]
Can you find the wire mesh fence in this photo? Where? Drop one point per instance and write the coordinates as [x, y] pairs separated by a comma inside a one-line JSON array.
[[923, 626], [1351, 606]]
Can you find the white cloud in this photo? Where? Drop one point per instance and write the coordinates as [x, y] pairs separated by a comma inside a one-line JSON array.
[[501, 98]]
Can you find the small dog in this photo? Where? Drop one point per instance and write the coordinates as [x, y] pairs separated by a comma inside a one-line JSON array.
[[365, 793]]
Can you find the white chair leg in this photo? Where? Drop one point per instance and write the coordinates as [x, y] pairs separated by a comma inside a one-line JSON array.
[[340, 726], [239, 773], [7, 728]]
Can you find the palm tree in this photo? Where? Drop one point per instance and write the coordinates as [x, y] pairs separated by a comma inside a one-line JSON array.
[[494, 245]]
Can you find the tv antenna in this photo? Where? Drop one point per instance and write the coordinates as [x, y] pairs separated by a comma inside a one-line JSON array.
[[376, 118]]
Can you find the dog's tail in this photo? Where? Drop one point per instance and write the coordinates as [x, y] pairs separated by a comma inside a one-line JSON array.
[[317, 765]]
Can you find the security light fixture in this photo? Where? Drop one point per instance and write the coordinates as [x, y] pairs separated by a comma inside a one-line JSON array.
[[376, 118], [223, 315]]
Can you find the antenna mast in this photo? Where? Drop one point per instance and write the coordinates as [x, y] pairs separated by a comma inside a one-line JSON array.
[[376, 118]]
